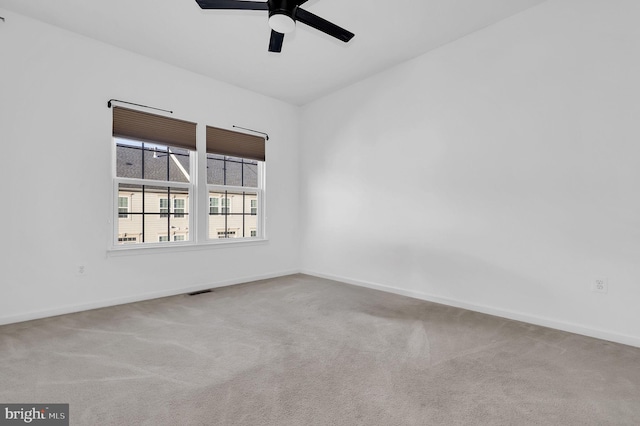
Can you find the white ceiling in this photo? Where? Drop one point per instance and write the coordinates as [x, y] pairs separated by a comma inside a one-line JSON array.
[[232, 45]]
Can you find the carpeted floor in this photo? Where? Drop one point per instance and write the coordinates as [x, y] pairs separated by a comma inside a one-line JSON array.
[[300, 350]]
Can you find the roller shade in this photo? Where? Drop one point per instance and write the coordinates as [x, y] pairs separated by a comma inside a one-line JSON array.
[[235, 144], [131, 124]]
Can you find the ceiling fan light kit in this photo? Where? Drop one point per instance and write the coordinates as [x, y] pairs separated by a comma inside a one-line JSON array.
[[283, 15], [282, 23]]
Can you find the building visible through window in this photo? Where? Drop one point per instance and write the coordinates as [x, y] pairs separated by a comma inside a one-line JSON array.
[[149, 176], [233, 196]]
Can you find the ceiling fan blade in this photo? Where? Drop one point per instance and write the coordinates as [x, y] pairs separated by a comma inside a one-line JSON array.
[[232, 4], [275, 44], [323, 25]]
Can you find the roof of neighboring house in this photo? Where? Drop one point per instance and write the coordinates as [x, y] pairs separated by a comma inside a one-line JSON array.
[[130, 161], [157, 163]]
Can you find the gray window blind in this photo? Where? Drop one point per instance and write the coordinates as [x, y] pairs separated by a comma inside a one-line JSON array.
[[142, 126], [235, 144]]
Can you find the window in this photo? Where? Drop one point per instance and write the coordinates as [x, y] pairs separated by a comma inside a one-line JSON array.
[[226, 205], [234, 180], [123, 207], [232, 206], [147, 177], [155, 185], [178, 207], [226, 234], [164, 207]]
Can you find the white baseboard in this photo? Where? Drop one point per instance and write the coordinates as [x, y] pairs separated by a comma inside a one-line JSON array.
[[69, 309], [531, 319], [504, 313]]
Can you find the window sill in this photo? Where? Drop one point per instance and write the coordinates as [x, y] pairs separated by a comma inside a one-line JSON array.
[[129, 250]]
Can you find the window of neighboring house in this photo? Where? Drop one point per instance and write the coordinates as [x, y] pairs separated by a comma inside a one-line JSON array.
[[226, 234], [164, 207], [226, 205], [214, 205], [178, 207], [155, 183], [123, 207]]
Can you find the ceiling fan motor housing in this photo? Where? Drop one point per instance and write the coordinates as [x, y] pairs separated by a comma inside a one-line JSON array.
[[283, 7]]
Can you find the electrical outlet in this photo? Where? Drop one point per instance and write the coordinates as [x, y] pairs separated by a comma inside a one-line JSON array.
[[81, 271], [600, 285]]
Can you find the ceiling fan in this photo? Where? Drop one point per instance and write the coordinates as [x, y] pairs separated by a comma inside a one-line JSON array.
[[283, 15]]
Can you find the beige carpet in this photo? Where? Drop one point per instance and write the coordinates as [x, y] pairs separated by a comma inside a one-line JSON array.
[[300, 350]]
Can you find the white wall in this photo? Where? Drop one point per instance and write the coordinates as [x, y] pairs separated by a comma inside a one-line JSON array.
[[500, 172], [55, 137]]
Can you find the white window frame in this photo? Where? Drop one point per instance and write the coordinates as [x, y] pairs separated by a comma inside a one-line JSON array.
[[117, 181], [197, 206]]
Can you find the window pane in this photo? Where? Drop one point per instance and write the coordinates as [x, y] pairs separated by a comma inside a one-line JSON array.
[[215, 169], [149, 218], [250, 225], [130, 226], [216, 225], [230, 214], [222, 170], [179, 165], [128, 161], [250, 173], [233, 171], [143, 160]]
